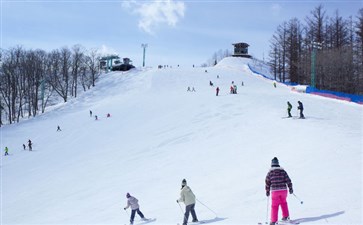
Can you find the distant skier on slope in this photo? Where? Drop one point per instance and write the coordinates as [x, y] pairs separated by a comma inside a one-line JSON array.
[[30, 144], [276, 182], [289, 107], [188, 197], [301, 108], [6, 151], [217, 91], [135, 208]]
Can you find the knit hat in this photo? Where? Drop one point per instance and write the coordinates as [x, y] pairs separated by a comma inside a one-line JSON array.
[[275, 162], [128, 195], [184, 182]]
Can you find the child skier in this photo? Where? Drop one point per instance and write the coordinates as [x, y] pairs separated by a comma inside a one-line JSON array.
[[188, 197], [276, 181], [301, 108], [6, 151], [133, 203], [289, 107], [30, 145]]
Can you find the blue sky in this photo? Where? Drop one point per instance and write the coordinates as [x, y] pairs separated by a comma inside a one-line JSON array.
[[177, 32]]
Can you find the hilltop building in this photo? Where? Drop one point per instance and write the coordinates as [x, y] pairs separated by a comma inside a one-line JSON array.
[[241, 50]]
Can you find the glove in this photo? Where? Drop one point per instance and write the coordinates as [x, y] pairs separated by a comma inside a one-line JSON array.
[[267, 193], [291, 191]]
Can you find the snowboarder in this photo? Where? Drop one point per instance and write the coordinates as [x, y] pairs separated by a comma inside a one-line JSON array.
[[58, 128], [289, 107], [301, 108], [277, 181], [188, 197], [6, 151], [135, 208], [24, 147], [30, 145], [217, 91]]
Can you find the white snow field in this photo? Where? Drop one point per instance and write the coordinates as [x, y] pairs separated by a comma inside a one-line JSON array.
[[159, 133]]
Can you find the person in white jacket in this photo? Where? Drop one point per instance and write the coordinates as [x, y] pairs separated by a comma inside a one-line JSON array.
[[134, 204], [188, 197]]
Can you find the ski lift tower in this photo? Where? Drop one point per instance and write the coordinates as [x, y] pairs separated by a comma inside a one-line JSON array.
[[315, 47], [144, 46]]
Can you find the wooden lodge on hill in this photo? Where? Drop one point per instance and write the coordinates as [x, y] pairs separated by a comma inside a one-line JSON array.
[[241, 50]]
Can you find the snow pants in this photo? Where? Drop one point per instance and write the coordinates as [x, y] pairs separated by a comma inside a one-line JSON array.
[[133, 215], [278, 198], [189, 209]]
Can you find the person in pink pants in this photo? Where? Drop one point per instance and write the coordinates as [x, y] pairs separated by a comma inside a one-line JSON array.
[[277, 181]]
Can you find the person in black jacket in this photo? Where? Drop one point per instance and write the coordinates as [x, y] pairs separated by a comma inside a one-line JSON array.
[[301, 108]]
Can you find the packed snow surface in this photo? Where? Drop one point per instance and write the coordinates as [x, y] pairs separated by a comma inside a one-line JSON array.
[[159, 133]]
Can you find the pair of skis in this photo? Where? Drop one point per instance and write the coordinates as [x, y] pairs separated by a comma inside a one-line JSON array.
[[283, 222]]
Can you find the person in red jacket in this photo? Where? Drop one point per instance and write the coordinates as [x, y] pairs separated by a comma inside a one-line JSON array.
[[277, 181]]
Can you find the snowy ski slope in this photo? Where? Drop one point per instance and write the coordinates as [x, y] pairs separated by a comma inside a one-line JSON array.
[[159, 133]]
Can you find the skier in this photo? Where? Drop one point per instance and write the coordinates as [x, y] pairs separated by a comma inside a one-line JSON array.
[[301, 108], [275, 84], [234, 89], [193, 90], [211, 83], [135, 208], [189, 89], [289, 107], [30, 145], [96, 117], [188, 197], [217, 91], [24, 147], [276, 181], [6, 151], [90, 113], [58, 128]]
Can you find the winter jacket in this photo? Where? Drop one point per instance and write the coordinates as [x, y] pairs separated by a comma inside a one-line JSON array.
[[289, 106], [277, 179], [133, 202], [187, 196], [300, 107]]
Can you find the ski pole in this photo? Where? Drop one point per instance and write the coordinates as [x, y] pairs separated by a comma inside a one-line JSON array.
[[267, 210], [301, 202], [185, 219], [207, 207], [126, 212]]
